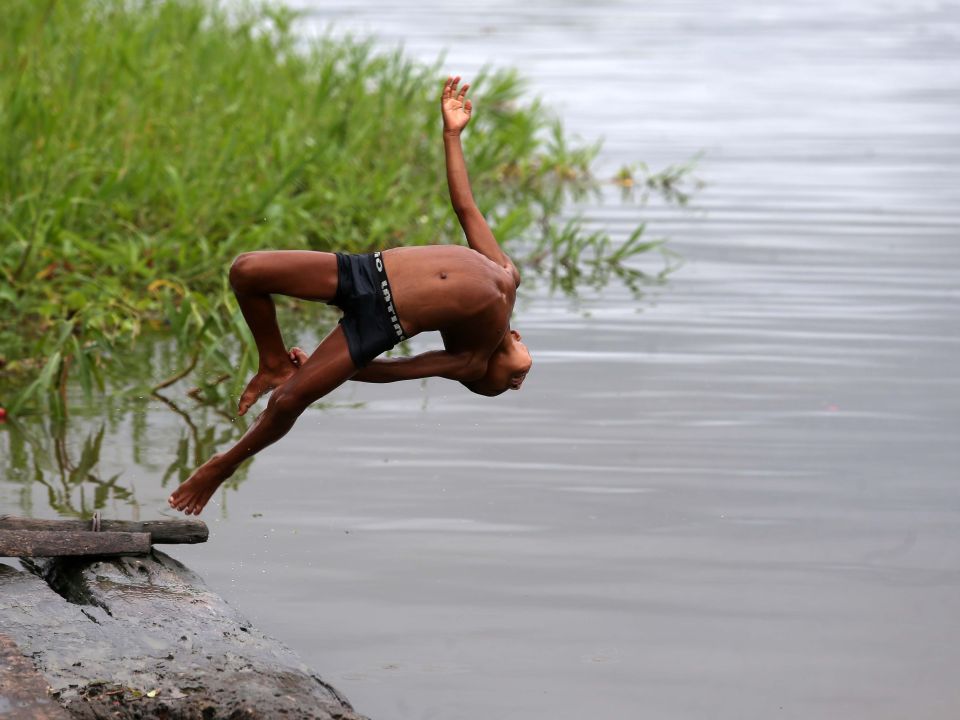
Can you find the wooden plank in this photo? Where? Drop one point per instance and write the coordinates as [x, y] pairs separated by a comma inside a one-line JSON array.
[[23, 691], [161, 531], [55, 543]]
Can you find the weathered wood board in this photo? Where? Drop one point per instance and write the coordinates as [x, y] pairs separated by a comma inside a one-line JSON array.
[[55, 543], [139, 637], [175, 530]]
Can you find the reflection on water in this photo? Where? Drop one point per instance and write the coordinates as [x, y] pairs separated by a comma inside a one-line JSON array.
[[61, 458], [69, 477], [65, 461], [195, 446]]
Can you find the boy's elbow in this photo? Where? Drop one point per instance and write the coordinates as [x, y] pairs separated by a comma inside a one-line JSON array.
[[463, 207], [472, 369], [516, 275]]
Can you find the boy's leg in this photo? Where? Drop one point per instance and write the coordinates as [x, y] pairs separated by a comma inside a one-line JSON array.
[[255, 276], [329, 367]]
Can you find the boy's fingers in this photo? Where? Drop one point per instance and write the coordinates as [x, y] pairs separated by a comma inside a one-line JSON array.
[[463, 91]]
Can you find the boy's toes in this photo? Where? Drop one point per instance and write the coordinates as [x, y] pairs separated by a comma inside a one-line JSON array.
[[298, 356], [196, 505], [180, 499], [248, 398]]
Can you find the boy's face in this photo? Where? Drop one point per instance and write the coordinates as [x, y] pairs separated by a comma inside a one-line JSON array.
[[518, 362], [507, 368]]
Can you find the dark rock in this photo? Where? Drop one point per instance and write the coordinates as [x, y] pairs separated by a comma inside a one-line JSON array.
[[23, 691], [143, 637]]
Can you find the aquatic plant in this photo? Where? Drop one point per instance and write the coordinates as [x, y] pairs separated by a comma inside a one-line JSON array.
[[145, 144]]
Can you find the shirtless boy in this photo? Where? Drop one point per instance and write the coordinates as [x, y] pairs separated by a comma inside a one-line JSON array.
[[465, 293]]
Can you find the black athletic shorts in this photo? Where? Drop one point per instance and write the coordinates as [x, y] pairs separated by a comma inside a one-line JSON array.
[[363, 293]]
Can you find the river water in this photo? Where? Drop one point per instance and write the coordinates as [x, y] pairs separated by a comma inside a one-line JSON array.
[[735, 497]]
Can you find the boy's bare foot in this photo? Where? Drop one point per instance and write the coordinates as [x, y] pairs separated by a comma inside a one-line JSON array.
[[192, 496], [268, 379]]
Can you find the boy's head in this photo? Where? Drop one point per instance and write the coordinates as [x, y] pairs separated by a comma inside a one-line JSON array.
[[506, 369]]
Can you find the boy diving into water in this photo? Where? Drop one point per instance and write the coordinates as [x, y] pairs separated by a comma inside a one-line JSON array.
[[465, 293]]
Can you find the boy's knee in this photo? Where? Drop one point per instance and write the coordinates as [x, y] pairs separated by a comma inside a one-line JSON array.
[[243, 272], [288, 403]]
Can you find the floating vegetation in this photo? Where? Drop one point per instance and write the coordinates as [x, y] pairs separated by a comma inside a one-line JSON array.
[[145, 144]]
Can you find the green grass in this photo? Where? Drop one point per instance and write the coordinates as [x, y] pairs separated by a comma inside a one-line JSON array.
[[145, 144]]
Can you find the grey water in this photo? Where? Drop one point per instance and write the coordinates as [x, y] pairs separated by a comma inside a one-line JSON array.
[[733, 497]]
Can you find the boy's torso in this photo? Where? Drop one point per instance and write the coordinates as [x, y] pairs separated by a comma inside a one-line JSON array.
[[453, 289]]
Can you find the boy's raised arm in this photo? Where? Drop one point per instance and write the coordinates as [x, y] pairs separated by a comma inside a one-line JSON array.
[[456, 110]]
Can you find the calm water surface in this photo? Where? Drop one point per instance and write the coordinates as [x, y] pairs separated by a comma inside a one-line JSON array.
[[734, 498]]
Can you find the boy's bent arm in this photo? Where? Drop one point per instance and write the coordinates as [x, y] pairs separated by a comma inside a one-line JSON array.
[[436, 363]]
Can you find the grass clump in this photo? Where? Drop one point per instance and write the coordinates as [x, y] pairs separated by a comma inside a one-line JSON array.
[[145, 144]]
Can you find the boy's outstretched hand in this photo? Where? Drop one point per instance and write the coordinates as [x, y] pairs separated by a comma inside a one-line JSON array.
[[455, 106]]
